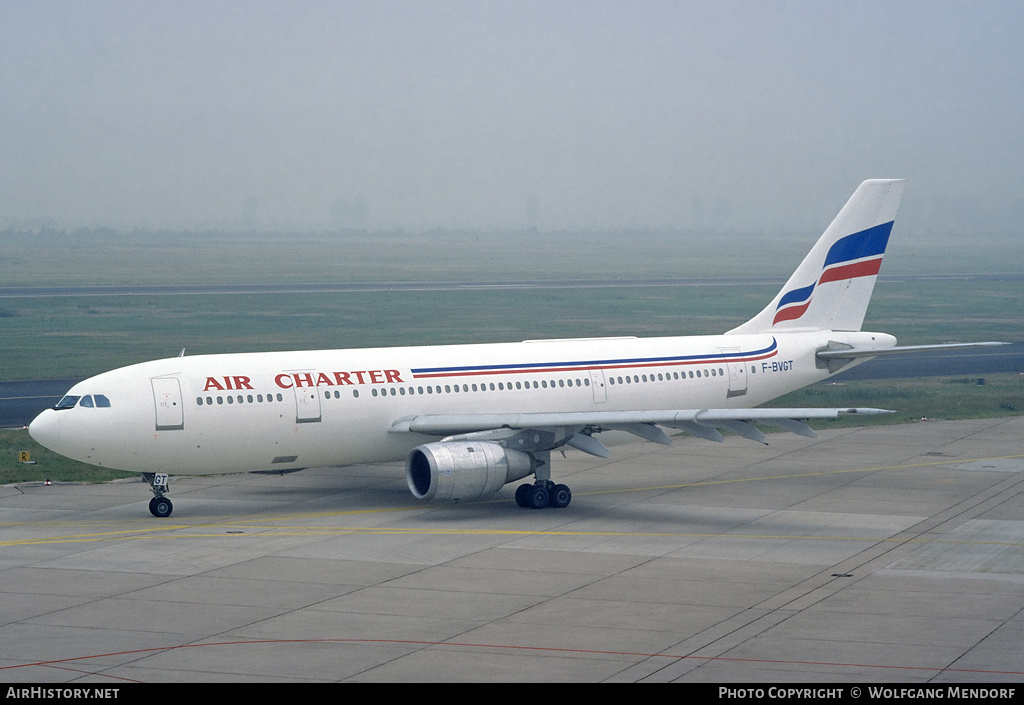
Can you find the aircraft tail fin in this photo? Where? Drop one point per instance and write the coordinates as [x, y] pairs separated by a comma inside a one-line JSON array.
[[831, 288]]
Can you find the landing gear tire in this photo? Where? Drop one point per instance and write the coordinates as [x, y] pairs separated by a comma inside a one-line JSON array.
[[543, 494], [523, 495], [160, 507], [539, 496], [561, 495]]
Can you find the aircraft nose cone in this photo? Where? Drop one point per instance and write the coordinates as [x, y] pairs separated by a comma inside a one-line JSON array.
[[45, 429]]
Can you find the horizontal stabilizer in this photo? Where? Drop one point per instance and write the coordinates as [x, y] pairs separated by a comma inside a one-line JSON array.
[[851, 353]]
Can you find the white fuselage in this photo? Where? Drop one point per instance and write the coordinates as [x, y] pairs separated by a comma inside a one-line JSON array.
[[266, 411]]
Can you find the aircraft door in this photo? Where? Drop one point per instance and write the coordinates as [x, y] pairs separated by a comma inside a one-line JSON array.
[[597, 382], [170, 414], [307, 405], [737, 376]]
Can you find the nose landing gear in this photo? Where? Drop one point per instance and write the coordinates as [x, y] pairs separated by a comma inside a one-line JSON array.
[[159, 506]]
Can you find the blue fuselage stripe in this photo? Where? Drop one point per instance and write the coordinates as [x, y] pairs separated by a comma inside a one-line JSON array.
[[592, 364]]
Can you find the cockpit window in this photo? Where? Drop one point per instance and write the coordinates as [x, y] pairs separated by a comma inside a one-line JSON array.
[[89, 401]]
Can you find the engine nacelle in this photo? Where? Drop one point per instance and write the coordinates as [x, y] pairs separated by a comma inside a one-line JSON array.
[[457, 470]]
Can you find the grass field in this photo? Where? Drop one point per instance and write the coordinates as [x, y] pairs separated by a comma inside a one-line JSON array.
[[45, 464], [68, 337]]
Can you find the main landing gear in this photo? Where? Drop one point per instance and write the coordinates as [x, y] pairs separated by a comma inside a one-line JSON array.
[[159, 506], [544, 493]]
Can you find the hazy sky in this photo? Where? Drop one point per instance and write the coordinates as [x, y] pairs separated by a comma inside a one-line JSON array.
[[734, 115]]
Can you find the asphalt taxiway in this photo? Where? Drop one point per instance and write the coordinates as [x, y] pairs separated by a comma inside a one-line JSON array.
[[891, 553]]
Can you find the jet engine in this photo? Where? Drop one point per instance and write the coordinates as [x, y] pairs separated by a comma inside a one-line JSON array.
[[455, 470]]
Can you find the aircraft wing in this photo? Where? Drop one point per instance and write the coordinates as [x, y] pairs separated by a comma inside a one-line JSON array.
[[576, 429]]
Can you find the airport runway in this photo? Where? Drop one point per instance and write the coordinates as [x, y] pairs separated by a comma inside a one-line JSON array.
[[877, 554]]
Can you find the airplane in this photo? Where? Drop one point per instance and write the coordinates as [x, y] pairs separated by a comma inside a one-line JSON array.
[[469, 419]]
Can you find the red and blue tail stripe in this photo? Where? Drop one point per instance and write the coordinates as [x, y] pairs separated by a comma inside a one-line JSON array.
[[856, 255]]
